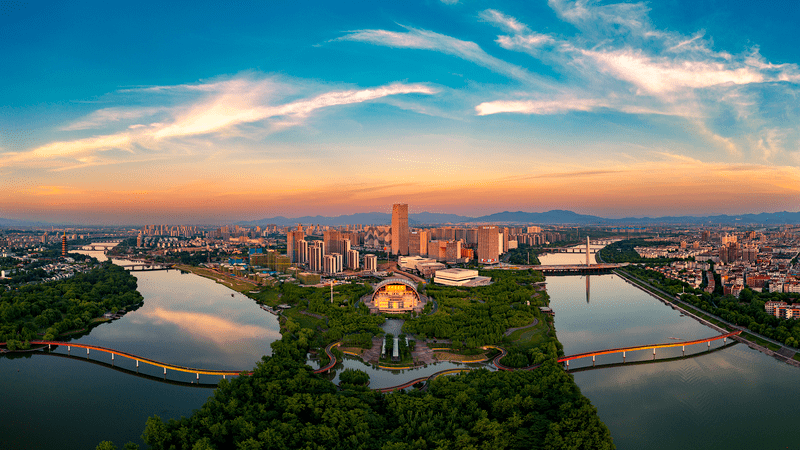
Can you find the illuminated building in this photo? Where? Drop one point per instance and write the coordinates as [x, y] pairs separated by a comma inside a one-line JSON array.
[[396, 295]]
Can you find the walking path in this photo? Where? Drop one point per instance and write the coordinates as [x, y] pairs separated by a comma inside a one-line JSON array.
[[512, 330]]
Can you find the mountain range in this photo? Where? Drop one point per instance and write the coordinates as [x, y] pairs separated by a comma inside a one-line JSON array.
[[554, 217]]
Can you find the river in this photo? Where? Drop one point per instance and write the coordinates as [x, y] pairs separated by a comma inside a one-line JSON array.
[[56, 402], [731, 398]]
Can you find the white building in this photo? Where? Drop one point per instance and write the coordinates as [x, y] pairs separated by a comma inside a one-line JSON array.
[[460, 277]]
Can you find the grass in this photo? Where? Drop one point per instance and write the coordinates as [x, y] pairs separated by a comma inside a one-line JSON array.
[[530, 337], [761, 342], [236, 284], [796, 356], [268, 297]]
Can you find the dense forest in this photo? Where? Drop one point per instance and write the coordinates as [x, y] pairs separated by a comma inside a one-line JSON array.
[[284, 405], [344, 317], [480, 315], [747, 310], [46, 310]]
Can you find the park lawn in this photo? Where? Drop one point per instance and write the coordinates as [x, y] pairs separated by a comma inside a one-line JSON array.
[[532, 337], [236, 284], [269, 296]]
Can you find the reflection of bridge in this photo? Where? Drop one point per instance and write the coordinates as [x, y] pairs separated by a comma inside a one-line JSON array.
[[136, 373], [623, 350], [139, 359]]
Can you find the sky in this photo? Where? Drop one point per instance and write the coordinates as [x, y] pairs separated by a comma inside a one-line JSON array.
[[196, 113]]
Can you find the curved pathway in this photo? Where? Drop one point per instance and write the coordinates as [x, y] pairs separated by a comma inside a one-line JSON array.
[[331, 357], [512, 330], [622, 350], [139, 359]]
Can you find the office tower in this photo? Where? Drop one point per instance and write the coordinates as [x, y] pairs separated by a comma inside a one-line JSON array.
[[452, 251], [488, 244], [400, 229]]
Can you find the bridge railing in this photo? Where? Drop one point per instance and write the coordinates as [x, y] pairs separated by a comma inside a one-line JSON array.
[[139, 359]]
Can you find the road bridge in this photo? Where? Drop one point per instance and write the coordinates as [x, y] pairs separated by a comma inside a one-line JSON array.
[[568, 269], [146, 267]]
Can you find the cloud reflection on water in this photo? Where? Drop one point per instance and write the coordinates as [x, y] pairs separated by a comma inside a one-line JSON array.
[[207, 327]]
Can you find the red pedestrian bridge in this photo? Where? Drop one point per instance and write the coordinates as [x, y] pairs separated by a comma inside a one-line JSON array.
[[623, 350], [139, 359]]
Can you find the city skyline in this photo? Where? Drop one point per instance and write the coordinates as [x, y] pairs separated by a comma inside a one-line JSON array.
[[212, 115]]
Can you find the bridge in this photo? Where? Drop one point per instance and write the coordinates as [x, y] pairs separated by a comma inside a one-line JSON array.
[[623, 350], [569, 269], [100, 246], [145, 267], [141, 359], [331, 358], [580, 249]]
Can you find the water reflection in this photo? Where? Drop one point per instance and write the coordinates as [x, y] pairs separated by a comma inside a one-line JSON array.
[[587, 288], [734, 397], [207, 327]]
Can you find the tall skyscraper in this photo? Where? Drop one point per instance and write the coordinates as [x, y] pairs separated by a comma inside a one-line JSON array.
[[488, 244], [400, 229]]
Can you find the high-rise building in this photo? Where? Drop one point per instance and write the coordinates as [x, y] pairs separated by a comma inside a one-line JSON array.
[[400, 229], [139, 240], [452, 251], [370, 263], [488, 244], [352, 260], [292, 246], [302, 251], [315, 253]]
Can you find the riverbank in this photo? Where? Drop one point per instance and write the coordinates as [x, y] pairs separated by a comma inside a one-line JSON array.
[[235, 283], [781, 353]]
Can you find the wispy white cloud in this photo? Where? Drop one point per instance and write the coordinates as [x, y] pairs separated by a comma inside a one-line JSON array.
[[428, 40], [509, 23], [538, 106], [220, 108], [108, 116], [620, 61]]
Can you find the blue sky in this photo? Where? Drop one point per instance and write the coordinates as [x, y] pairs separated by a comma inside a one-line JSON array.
[[200, 113]]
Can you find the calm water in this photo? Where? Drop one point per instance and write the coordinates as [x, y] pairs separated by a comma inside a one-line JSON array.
[[55, 402], [733, 398], [728, 399]]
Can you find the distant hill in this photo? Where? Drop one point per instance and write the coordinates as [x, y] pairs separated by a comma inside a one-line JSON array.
[[554, 217]]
